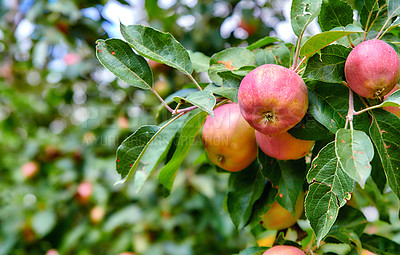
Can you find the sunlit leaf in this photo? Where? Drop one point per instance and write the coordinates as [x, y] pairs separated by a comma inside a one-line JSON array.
[[119, 58], [204, 99], [302, 13], [158, 46], [355, 151]]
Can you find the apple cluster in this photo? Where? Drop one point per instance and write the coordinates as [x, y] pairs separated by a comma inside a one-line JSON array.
[[271, 100]]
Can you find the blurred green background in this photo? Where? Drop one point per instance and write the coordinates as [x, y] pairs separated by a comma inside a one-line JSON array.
[[62, 117]]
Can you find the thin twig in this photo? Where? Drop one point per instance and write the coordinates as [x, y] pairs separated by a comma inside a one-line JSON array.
[[161, 99], [195, 82], [350, 113], [296, 55]]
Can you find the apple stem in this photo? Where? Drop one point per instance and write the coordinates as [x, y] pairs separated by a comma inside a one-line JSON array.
[[177, 107], [296, 55], [161, 99], [351, 43], [298, 66], [195, 82], [350, 113]]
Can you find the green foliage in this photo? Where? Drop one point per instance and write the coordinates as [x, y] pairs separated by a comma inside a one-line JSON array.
[[65, 118]]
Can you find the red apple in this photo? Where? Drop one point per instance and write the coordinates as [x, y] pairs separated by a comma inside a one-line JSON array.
[[372, 69], [393, 109], [284, 250], [283, 146], [30, 169], [84, 192], [279, 218], [52, 252], [273, 98], [228, 139]]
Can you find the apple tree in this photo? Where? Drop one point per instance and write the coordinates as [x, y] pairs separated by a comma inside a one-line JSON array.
[[316, 112]]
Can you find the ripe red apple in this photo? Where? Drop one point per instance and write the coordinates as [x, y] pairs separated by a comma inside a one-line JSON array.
[[393, 109], [30, 169], [228, 139], [272, 98], [284, 250], [372, 69], [279, 218], [84, 192], [52, 252], [283, 146]]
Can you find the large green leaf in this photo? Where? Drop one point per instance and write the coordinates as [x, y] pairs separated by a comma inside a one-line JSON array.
[[327, 109], [204, 99], [200, 62], [119, 58], [310, 129], [335, 13], [373, 14], [321, 40], [393, 8], [132, 149], [245, 188], [231, 59], [329, 190], [277, 54], [229, 87], [158, 46], [328, 104], [355, 151], [329, 65], [302, 13], [385, 134], [379, 244], [285, 175], [187, 135], [156, 152]]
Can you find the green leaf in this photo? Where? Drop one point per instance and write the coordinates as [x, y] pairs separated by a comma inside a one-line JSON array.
[[156, 152], [204, 99], [132, 150], [118, 57], [229, 60], [187, 135], [200, 62], [385, 134], [229, 88], [255, 250], [321, 40], [373, 15], [263, 42], [349, 225], [310, 129], [245, 188], [277, 54], [328, 104], [302, 13], [379, 244], [329, 190], [329, 65], [355, 151], [158, 46], [285, 175], [335, 13], [43, 222], [328, 110], [393, 8]]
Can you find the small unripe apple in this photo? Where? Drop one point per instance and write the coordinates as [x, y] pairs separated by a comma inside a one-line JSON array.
[[123, 122], [392, 109], [284, 250], [279, 218], [283, 146], [273, 98], [372, 69], [366, 252], [228, 139], [97, 214], [30, 169], [84, 192]]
